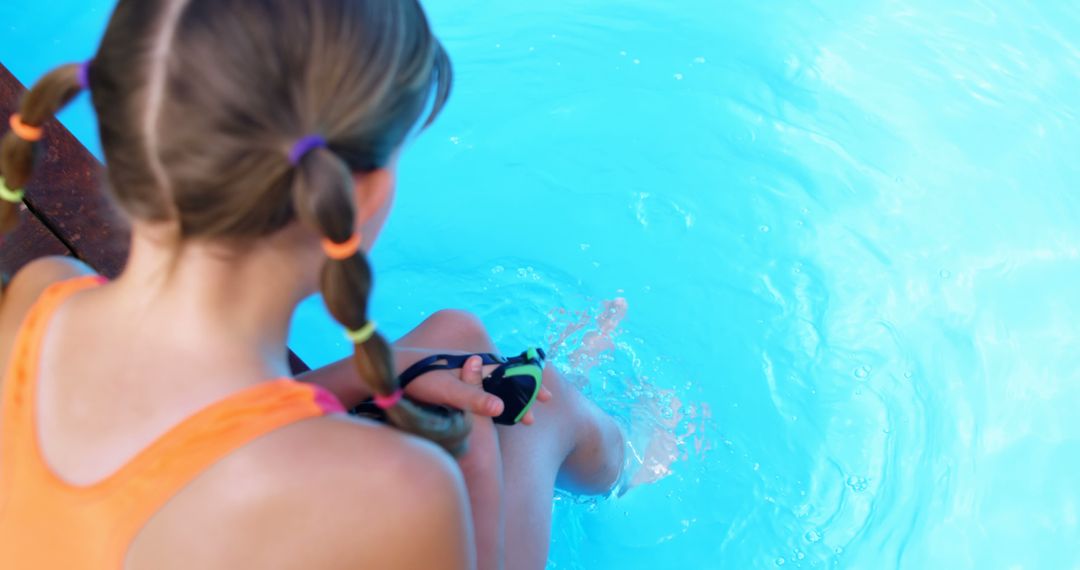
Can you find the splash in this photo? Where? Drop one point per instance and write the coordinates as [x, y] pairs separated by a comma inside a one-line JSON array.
[[661, 428], [674, 431]]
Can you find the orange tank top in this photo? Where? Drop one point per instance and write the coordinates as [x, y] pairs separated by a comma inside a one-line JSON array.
[[48, 523]]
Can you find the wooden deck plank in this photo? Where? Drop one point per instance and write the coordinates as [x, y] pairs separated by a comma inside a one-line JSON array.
[[65, 192], [28, 242]]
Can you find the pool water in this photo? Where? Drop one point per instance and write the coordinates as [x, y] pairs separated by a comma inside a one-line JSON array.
[[821, 258]]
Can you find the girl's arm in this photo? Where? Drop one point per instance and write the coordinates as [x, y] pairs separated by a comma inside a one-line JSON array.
[[443, 388]]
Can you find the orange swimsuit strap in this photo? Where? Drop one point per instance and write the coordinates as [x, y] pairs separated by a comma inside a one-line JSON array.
[[46, 522]]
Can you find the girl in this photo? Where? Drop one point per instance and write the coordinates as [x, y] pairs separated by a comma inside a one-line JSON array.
[[151, 422]]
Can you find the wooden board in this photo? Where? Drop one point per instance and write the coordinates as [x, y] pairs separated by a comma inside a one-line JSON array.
[[28, 242], [65, 192]]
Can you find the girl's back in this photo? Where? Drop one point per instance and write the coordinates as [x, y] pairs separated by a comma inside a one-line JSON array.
[[241, 486]]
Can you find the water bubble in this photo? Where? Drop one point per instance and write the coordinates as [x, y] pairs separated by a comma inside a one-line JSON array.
[[699, 60], [839, 550], [498, 269], [862, 371], [908, 375], [637, 62], [945, 273], [780, 561], [623, 53], [757, 467], [812, 536], [455, 140], [679, 76], [857, 484], [799, 554], [764, 229]]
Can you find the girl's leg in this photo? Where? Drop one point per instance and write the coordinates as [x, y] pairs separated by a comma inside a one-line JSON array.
[[572, 444], [482, 463]]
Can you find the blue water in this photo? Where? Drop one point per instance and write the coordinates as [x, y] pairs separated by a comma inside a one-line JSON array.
[[847, 238]]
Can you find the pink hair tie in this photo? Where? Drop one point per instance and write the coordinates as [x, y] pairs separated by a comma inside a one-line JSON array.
[[387, 402]]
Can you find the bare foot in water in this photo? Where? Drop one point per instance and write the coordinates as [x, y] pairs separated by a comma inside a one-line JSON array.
[[597, 342], [665, 444], [659, 415], [663, 448]]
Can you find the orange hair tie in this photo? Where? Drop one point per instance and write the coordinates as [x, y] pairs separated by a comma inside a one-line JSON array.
[[24, 131], [345, 250]]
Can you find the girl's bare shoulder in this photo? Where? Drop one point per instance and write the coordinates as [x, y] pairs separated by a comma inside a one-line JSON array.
[[25, 288], [367, 495]]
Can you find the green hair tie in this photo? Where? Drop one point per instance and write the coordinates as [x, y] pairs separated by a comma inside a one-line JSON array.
[[9, 195], [363, 334]]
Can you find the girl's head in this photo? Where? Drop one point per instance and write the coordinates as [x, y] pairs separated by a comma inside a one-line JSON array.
[[200, 103]]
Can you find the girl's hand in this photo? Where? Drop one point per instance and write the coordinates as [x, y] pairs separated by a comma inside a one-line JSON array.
[[463, 389]]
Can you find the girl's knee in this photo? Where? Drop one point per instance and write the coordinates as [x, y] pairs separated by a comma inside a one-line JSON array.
[[455, 329]]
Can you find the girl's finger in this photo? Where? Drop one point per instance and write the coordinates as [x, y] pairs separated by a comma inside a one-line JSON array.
[[447, 390], [473, 371]]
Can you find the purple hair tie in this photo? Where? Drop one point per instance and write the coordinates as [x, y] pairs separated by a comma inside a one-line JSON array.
[[304, 146], [83, 75]]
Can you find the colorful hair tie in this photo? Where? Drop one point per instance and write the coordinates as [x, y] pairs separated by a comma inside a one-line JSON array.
[[362, 334], [83, 75], [9, 195], [344, 250], [387, 402], [303, 147], [24, 131]]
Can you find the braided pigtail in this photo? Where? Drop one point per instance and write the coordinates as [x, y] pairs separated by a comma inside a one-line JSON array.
[[323, 196], [19, 146]]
